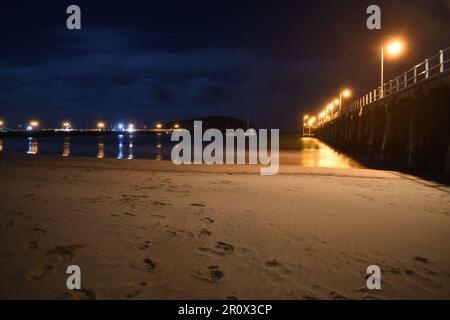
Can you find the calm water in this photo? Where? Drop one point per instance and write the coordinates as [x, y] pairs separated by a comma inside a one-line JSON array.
[[306, 152]]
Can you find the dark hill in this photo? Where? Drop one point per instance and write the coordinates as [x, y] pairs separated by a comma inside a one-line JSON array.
[[217, 122]]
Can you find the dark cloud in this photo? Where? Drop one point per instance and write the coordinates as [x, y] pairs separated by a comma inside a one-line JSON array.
[[147, 61]]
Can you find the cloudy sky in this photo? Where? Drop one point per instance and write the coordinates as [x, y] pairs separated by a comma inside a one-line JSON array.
[[146, 61]]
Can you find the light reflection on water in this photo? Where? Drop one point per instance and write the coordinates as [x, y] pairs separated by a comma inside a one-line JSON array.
[[33, 146], [305, 152], [101, 150], [66, 147], [316, 154]]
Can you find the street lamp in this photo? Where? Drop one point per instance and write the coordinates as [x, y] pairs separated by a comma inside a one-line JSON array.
[[393, 49], [66, 125], [32, 125], [346, 93], [100, 126], [330, 107], [158, 126], [2, 123]]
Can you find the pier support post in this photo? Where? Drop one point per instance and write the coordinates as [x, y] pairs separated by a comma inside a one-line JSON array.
[[360, 133], [372, 129], [412, 138], [447, 163], [385, 152]]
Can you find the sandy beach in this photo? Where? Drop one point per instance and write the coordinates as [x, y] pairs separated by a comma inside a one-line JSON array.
[[151, 230]]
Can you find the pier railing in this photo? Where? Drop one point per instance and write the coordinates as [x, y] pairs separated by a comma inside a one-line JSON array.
[[429, 68]]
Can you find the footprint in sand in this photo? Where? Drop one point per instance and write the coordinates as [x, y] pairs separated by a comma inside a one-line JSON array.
[[39, 232], [39, 272], [65, 253], [159, 204], [159, 216], [133, 290], [210, 274], [207, 220], [421, 259], [129, 214], [82, 294], [221, 249], [32, 245], [178, 232], [198, 205], [203, 232], [278, 267], [145, 264], [137, 246]]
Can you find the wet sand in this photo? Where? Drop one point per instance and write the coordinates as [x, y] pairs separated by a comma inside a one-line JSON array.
[[151, 230]]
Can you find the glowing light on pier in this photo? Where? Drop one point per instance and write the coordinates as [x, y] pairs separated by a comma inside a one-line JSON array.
[[395, 47], [101, 125], [159, 126], [2, 123], [131, 128], [392, 48], [176, 126], [346, 93]]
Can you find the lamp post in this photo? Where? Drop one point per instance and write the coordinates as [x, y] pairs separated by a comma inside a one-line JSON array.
[[394, 48], [343, 94], [101, 126], [66, 125]]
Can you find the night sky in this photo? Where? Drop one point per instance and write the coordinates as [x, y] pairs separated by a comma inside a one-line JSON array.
[[146, 61]]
